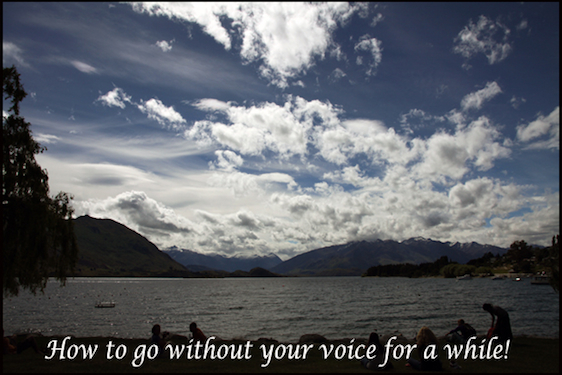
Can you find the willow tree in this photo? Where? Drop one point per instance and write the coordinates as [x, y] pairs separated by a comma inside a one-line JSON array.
[[38, 237]]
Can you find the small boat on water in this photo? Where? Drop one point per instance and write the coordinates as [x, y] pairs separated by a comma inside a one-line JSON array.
[[465, 277], [105, 305], [540, 280]]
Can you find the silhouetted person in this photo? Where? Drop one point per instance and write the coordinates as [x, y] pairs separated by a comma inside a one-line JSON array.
[[502, 326], [374, 363], [461, 334], [198, 335], [11, 346], [425, 338], [157, 339]]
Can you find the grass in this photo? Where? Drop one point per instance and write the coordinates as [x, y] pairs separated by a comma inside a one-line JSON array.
[[526, 355]]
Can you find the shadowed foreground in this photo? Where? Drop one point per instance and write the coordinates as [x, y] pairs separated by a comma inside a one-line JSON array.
[[526, 355]]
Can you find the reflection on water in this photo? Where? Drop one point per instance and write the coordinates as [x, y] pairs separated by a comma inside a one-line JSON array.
[[279, 308]]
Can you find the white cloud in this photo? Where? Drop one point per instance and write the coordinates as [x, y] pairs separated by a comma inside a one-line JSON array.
[[448, 155], [115, 98], [227, 160], [336, 75], [476, 99], [12, 54], [285, 38], [164, 45], [377, 19], [487, 37], [139, 212], [285, 130], [542, 126], [211, 105], [156, 110], [83, 67], [373, 46], [46, 138]]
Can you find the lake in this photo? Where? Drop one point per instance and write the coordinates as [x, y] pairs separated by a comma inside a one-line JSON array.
[[280, 308]]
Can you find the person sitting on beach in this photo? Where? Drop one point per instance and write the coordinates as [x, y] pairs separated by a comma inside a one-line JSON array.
[[11, 346], [502, 327], [373, 364], [424, 338], [158, 340], [198, 335], [461, 334]]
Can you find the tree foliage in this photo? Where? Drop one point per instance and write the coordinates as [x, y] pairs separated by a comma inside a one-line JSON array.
[[38, 236]]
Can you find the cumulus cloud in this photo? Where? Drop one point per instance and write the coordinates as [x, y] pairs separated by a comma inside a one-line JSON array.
[[476, 99], [166, 116], [485, 36], [139, 212], [284, 38], [114, 98], [448, 155], [383, 185], [284, 130], [543, 126], [164, 45]]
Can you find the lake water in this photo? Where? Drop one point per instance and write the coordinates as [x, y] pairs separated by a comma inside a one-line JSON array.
[[279, 308]]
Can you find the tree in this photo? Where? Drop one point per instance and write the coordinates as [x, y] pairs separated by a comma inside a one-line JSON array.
[[38, 238], [518, 252], [552, 263]]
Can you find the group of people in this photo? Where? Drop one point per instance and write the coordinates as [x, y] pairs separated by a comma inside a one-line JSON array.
[[160, 339], [500, 328]]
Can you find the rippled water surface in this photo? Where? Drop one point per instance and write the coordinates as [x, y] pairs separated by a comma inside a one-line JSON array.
[[279, 308]]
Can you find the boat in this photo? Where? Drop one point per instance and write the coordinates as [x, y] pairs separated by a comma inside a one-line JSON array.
[[541, 280], [465, 277], [498, 278], [105, 305]]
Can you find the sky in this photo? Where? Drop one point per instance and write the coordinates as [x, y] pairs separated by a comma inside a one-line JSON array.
[[257, 128]]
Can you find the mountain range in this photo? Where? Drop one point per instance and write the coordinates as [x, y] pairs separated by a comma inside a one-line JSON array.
[[355, 258], [108, 248], [201, 262]]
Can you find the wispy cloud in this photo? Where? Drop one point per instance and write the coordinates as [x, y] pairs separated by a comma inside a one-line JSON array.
[[12, 54], [373, 46], [83, 67]]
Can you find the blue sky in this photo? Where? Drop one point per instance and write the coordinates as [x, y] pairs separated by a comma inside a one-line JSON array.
[[245, 128]]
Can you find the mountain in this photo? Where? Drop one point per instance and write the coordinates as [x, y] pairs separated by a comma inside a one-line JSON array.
[[108, 248], [355, 258], [197, 261]]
